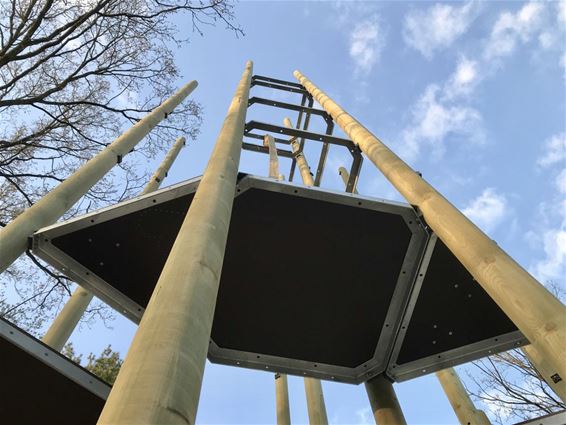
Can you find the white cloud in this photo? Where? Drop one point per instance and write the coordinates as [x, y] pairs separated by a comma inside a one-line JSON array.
[[487, 210], [437, 27], [560, 181], [364, 416], [464, 79], [366, 45], [561, 9], [512, 28], [554, 151], [552, 267], [547, 39], [434, 119]]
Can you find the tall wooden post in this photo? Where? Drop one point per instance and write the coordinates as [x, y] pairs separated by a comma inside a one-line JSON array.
[[282, 400], [315, 402], [383, 400], [345, 177], [13, 237], [381, 394], [304, 168], [269, 142], [160, 380], [66, 321], [546, 371], [534, 310], [313, 387], [461, 402]]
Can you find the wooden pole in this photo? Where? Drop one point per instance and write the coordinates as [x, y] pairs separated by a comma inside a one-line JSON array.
[[532, 308], [313, 387], [282, 400], [304, 168], [269, 142], [13, 237], [66, 321], [160, 380], [461, 402], [546, 371], [383, 400], [381, 394], [315, 402]]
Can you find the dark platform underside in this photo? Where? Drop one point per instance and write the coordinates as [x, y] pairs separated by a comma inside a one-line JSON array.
[[129, 251], [34, 393], [452, 311], [309, 276], [322, 305], [306, 279]]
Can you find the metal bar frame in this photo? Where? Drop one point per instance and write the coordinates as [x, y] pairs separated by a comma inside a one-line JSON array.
[[278, 86], [289, 106], [295, 132], [299, 120], [323, 153], [276, 81], [305, 127], [262, 149], [307, 112]]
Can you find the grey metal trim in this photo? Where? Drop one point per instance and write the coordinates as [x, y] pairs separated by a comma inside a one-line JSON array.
[[279, 364], [84, 277], [134, 204], [449, 358], [457, 356], [134, 312], [378, 363], [54, 359]]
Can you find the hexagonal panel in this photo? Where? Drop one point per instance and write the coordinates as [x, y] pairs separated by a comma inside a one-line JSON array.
[[313, 282], [37, 379], [450, 319]]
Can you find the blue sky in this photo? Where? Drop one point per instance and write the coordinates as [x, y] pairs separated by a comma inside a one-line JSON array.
[[470, 94]]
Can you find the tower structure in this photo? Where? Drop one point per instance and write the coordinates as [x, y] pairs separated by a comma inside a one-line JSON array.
[[388, 292]]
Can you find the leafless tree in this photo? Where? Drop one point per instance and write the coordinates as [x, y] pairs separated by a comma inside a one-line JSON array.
[[73, 75], [511, 386]]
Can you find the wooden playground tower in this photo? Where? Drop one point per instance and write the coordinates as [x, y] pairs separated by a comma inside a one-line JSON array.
[[374, 292]]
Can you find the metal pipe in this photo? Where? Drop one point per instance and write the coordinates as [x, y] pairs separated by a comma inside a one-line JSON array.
[[66, 321], [463, 406], [345, 177], [546, 371], [161, 377], [532, 308], [384, 404], [304, 168], [282, 400], [13, 237], [315, 402], [269, 143]]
